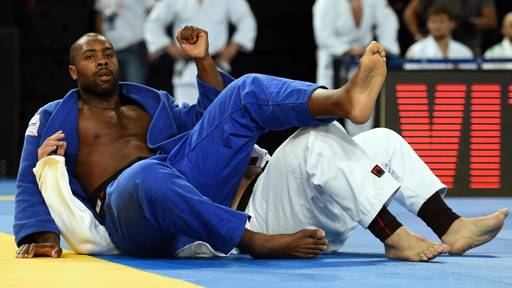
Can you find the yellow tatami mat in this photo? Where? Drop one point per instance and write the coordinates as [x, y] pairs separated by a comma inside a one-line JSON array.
[[6, 197], [72, 270]]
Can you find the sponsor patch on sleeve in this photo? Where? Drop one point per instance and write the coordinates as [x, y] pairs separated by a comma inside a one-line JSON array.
[[33, 126], [378, 171]]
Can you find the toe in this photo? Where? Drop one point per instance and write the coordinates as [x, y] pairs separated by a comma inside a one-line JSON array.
[[428, 254]]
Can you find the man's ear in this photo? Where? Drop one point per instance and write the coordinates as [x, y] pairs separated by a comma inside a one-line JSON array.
[[72, 71]]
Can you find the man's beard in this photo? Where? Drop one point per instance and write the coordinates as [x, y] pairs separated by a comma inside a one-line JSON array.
[[105, 91]]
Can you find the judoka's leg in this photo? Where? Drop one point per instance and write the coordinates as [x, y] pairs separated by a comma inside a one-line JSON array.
[[150, 205], [216, 152], [395, 155], [329, 177], [421, 192], [285, 200]]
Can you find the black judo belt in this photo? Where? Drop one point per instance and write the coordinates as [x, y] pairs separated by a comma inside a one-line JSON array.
[[98, 196]]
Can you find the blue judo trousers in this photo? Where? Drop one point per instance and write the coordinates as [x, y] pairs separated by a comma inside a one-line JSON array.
[[161, 204]]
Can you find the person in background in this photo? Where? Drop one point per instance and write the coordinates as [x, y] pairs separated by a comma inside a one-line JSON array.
[[439, 44], [344, 28], [503, 49], [471, 17], [215, 17], [122, 21]]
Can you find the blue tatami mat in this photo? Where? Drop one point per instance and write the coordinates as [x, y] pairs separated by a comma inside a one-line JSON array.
[[361, 263]]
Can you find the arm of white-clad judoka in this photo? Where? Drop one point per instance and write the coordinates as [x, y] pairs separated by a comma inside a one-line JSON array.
[[387, 26], [325, 17], [98, 17], [240, 14], [155, 36], [32, 220]]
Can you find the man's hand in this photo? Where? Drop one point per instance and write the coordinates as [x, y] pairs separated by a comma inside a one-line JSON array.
[[228, 53], [51, 144], [39, 250], [194, 42], [40, 244]]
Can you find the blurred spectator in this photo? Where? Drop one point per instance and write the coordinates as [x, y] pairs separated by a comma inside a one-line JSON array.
[[211, 15], [122, 21], [471, 17], [439, 44], [344, 28], [504, 48]]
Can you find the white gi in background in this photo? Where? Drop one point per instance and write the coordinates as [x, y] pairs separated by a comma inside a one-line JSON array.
[[321, 177], [428, 48], [122, 22], [336, 33], [213, 16], [502, 50]]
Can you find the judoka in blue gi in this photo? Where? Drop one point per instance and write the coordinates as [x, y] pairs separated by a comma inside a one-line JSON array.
[[160, 177]]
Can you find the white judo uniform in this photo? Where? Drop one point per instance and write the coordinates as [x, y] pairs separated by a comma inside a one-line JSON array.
[[321, 177], [428, 48], [502, 50], [212, 15], [336, 33]]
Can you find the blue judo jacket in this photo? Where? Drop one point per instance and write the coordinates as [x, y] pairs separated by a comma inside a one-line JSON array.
[[169, 124]]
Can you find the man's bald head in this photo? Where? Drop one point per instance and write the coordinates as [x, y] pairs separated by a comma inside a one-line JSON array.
[[93, 64], [506, 28], [76, 48]]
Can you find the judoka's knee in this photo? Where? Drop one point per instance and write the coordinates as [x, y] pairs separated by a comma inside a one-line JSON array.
[[251, 85]]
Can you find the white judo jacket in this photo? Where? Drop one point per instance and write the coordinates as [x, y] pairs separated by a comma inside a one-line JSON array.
[[212, 15]]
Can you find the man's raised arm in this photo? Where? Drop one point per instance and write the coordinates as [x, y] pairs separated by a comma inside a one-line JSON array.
[[194, 42]]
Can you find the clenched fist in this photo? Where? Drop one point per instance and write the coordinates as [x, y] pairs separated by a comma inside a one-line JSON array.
[[194, 42]]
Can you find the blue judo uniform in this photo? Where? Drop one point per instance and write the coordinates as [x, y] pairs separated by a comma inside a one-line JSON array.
[[183, 193]]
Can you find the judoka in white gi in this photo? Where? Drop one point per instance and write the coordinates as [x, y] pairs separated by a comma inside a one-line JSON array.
[[438, 44], [122, 22], [213, 15], [502, 50], [344, 27]]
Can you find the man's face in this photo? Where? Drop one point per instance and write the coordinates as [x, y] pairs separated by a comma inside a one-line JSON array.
[[95, 67], [507, 27], [440, 26]]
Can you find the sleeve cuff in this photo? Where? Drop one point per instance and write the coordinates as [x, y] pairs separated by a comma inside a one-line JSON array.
[[24, 231]]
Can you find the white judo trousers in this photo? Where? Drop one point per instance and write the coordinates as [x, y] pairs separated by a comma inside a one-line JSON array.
[[321, 177]]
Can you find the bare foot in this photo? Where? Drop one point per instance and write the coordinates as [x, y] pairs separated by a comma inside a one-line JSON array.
[[406, 245], [307, 243], [467, 233], [365, 85]]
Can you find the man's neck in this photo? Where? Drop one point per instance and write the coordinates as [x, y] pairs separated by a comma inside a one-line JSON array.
[[110, 102], [443, 43]]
